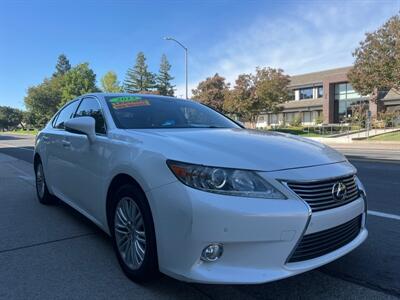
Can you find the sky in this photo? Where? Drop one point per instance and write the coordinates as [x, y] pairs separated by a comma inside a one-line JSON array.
[[228, 37]]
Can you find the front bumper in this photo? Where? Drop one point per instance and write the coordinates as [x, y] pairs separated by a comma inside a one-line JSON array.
[[258, 235]]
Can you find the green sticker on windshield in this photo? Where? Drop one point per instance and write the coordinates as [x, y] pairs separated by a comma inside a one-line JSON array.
[[128, 101], [125, 99]]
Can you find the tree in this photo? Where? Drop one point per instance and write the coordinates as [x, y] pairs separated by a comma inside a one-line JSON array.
[[271, 88], [10, 117], [62, 66], [241, 99], [110, 83], [377, 60], [43, 100], [164, 86], [77, 81], [139, 78], [29, 119], [212, 92], [253, 94]]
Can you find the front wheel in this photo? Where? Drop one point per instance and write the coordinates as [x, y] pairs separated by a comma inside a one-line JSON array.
[[42, 191], [133, 234]]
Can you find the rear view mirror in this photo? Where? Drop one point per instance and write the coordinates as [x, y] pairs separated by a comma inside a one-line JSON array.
[[82, 125]]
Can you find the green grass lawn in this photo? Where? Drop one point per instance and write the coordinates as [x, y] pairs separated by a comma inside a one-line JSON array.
[[391, 136], [30, 132]]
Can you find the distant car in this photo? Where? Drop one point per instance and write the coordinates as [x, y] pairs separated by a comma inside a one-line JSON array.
[[184, 190]]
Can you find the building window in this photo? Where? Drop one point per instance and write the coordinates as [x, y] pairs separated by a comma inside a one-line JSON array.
[[320, 92], [347, 99], [344, 91], [289, 117], [274, 119], [261, 119], [306, 93], [306, 117], [292, 95]]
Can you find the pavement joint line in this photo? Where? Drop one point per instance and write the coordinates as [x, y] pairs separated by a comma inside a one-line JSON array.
[[48, 242], [383, 215]]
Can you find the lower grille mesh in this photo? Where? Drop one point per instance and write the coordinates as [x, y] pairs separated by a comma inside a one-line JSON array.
[[320, 243]]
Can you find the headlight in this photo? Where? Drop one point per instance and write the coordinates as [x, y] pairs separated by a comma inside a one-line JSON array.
[[224, 181]]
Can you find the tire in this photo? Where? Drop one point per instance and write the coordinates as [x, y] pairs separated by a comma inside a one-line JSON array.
[[42, 191], [133, 234]]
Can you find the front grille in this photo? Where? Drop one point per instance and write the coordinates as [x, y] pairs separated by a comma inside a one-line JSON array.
[[320, 243], [318, 194]]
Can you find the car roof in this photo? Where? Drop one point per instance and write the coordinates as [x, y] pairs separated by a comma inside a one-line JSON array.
[[151, 96]]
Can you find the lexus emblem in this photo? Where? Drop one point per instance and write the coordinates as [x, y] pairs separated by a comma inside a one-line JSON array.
[[339, 191]]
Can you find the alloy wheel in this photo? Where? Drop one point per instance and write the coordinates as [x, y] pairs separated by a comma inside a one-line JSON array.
[[40, 183], [130, 233]]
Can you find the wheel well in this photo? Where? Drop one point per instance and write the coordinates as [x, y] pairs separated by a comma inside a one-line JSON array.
[[36, 160], [118, 181]]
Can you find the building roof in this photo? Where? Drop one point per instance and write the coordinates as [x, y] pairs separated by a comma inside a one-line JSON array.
[[316, 77], [392, 95], [302, 104]]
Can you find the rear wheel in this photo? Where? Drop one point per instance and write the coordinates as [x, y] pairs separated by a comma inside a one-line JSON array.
[[41, 187], [133, 234]]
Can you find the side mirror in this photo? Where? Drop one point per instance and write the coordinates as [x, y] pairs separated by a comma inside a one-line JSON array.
[[82, 125]]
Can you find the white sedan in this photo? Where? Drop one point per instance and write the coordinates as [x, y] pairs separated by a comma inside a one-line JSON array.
[[184, 190]]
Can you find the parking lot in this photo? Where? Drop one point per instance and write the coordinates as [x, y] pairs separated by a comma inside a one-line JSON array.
[[54, 252]]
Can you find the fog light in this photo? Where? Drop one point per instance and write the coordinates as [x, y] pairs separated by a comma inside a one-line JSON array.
[[212, 252]]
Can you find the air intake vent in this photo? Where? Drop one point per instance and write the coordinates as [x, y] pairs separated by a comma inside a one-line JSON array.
[[320, 243]]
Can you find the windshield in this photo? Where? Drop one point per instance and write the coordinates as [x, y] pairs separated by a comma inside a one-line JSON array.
[[134, 112]]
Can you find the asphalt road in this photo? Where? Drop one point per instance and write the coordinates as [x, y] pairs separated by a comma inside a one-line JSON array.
[[54, 252]]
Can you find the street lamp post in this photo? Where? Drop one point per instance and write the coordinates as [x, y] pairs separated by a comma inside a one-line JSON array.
[[186, 61]]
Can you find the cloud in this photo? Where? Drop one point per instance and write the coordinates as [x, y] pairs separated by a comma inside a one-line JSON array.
[[309, 37]]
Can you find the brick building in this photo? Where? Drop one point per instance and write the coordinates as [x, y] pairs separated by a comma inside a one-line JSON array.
[[325, 96]]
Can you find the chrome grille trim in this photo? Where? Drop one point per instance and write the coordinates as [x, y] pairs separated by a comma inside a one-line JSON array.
[[318, 194], [323, 242]]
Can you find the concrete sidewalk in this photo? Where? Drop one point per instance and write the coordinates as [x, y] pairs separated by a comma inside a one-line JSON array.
[[354, 137]]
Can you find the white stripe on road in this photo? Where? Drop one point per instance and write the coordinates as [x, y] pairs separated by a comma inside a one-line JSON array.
[[383, 215]]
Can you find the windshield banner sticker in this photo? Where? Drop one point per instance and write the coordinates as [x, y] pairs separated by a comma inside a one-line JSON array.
[[128, 101]]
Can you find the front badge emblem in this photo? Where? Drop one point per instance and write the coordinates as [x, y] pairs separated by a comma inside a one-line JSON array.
[[339, 191]]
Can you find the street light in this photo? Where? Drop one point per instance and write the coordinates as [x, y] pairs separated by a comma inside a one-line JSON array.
[[186, 60]]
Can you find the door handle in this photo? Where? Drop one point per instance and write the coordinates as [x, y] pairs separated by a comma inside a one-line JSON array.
[[45, 138], [66, 143]]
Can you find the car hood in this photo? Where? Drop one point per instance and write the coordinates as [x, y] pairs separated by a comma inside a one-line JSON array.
[[238, 148]]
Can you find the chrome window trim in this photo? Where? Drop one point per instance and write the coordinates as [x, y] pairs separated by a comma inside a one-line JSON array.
[[55, 117], [101, 109]]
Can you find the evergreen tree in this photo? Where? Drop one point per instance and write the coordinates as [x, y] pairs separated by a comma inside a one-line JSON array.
[[110, 83], [62, 66], [164, 86], [139, 78]]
